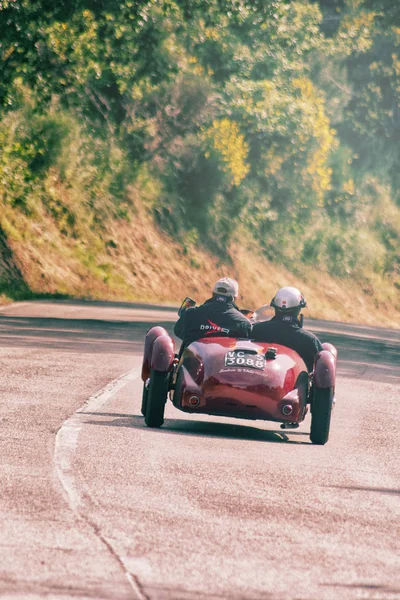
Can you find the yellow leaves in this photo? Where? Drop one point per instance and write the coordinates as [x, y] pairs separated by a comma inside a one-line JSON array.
[[356, 31], [212, 33], [224, 137], [7, 53], [64, 38], [322, 135], [349, 187], [196, 68], [396, 64], [274, 159], [305, 86]]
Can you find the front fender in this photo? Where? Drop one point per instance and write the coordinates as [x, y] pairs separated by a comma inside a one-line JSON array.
[[163, 354], [325, 368]]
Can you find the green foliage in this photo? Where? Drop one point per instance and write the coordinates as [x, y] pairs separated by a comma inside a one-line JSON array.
[[343, 250], [225, 140], [386, 12], [280, 118], [91, 54], [373, 112]]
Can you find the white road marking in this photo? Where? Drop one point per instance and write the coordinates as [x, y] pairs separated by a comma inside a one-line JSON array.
[[65, 447]]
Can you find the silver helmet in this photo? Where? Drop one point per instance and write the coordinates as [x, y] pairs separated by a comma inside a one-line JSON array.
[[288, 299]]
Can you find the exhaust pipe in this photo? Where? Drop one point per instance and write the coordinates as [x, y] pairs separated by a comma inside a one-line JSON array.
[[194, 401]]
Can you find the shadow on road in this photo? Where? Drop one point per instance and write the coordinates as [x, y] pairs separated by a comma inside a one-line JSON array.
[[376, 359], [201, 429], [73, 335], [359, 357], [179, 593], [396, 492], [364, 586]]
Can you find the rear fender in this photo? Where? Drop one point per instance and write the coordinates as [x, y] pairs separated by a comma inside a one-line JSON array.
[[151, 336], [325, 368], [330, 348], [163, 355]]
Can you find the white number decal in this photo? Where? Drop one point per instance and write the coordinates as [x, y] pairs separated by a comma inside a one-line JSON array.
[[238, 359]]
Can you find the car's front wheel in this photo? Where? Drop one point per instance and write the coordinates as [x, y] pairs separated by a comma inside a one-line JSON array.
[[157, 393], [321, 409]]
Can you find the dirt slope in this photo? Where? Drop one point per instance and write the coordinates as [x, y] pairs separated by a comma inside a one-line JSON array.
[[134, 260]]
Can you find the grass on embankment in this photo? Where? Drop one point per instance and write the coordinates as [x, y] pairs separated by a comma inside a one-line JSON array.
[[72, 224], [131, 259]]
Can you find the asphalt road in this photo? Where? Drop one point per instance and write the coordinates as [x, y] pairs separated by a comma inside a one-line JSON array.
[[95, 505]]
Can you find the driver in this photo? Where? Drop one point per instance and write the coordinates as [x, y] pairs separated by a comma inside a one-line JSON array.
[[286, 327], [217, 316]]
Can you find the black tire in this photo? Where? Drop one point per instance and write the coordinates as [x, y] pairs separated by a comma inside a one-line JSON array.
[[156, 398], [177, 397], [144, 399], [321, 409]]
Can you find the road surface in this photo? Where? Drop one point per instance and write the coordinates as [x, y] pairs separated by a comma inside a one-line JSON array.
[[95, 505]]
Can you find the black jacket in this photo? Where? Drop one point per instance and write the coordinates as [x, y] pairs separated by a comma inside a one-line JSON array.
[[217, 316], [287, 331]]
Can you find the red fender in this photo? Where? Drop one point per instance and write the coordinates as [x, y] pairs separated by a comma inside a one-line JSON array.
[[151, 336], [325, 368], [163, 354], [330, 349]]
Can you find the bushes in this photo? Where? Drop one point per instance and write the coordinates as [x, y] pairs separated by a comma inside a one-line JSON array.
[[343, 250], [223, 107], [45, 153]]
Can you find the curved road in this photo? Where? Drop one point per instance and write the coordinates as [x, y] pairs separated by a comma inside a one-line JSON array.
[[95, 505]]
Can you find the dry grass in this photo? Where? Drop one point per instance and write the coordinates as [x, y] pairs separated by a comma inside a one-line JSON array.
[[135, 261]]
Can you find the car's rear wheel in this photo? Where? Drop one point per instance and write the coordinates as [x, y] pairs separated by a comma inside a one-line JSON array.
[[144, 397], [321, 409], [177, 397], [156, 398]]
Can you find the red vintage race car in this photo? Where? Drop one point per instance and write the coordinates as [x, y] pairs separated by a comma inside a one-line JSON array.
[[239, 378]]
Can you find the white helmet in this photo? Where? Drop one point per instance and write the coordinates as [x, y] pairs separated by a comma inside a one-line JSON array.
[[226, 287], [288, 299]]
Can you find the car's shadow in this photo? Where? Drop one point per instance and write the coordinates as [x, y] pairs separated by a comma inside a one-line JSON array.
[[361, 488], [201, 428]]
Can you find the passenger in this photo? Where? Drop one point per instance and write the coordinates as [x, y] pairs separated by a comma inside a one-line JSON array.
[[217, 316], [286, 327]]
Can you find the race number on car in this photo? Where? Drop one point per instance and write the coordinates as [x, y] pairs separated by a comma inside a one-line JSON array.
[[241, 358]]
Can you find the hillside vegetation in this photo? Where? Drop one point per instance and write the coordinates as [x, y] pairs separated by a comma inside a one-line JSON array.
[[150, 146]]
